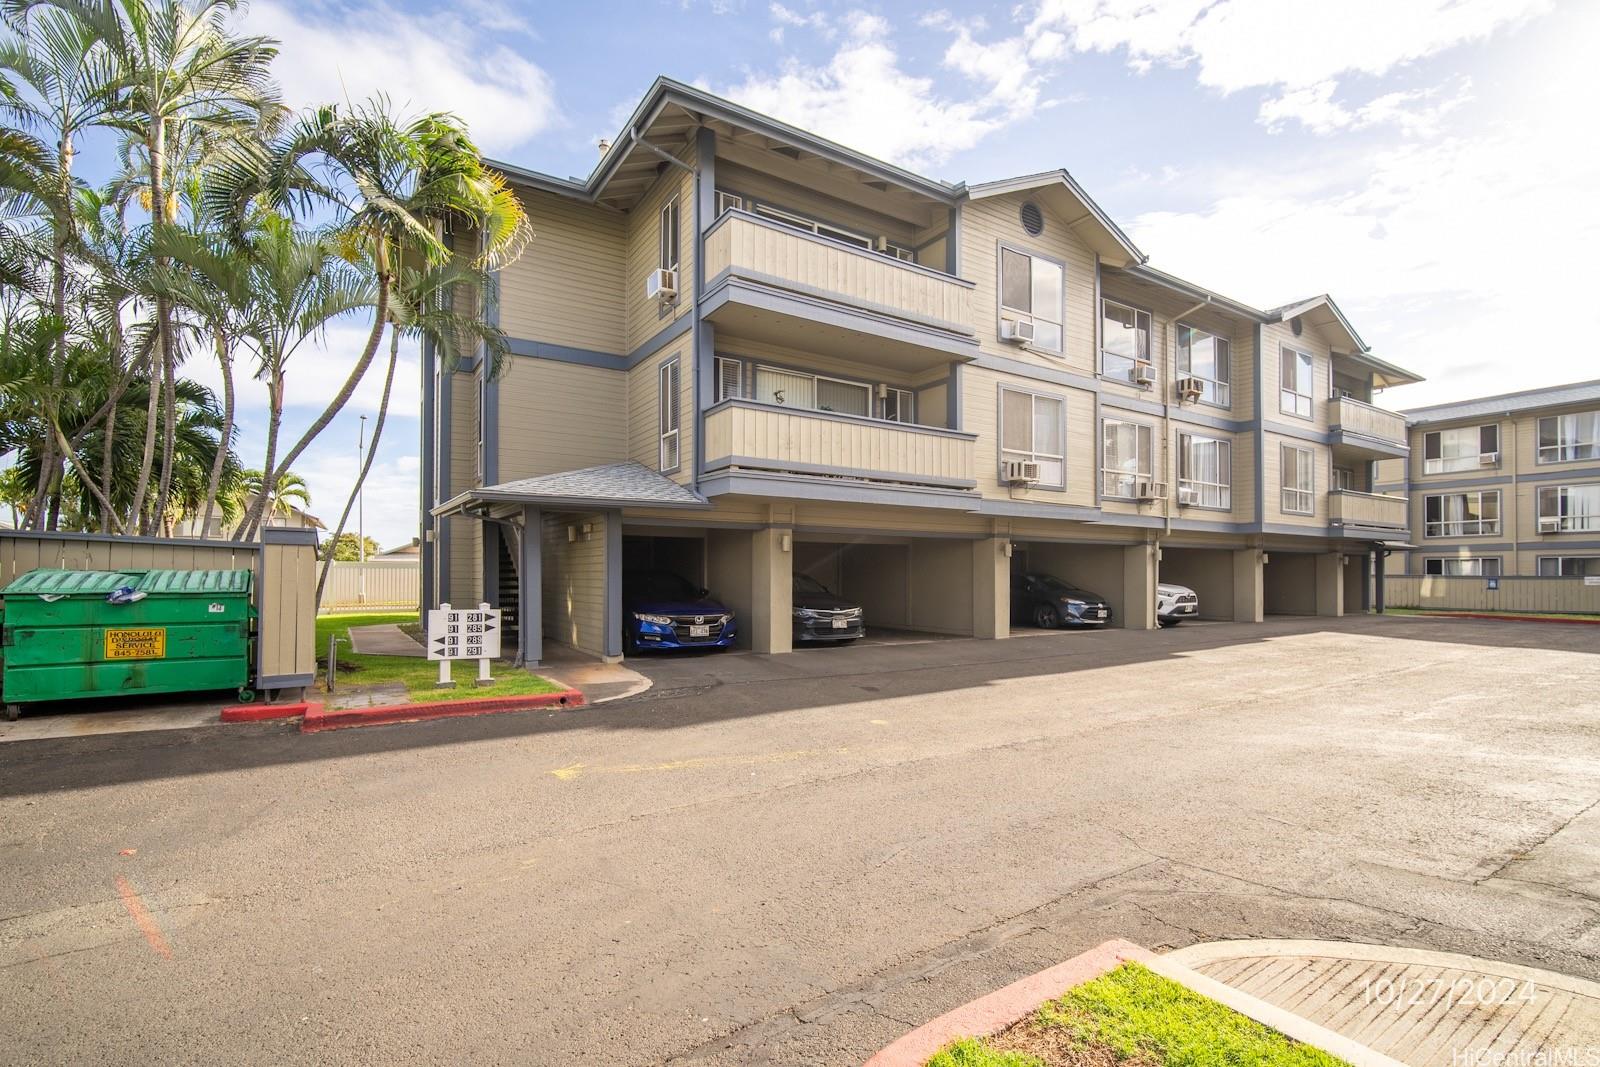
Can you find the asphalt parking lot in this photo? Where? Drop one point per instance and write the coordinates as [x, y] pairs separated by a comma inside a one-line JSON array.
[[793, 859]]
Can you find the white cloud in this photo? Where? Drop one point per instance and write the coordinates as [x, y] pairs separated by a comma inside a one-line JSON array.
[[1414, 112], [389, 496], [438, 61], [1301, 48]]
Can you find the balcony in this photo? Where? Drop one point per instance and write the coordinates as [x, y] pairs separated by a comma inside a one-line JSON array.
[[743, 436], [773, 283], [1366, 430], [1368, 511]]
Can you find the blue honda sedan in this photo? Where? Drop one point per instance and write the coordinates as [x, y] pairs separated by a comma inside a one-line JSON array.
[[661, 609]]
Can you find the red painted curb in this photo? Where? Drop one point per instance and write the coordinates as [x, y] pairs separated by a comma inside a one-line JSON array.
[[1502, 618], [990, 1014], [263, 712], [322, 718]]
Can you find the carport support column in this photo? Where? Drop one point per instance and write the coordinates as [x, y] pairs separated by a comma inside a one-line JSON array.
[[530, 588], [1139, 587], [991, 588], [772, 591], [1330, 584], [1249, 585]]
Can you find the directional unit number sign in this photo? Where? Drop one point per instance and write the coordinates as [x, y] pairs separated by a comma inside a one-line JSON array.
[[463, 633]]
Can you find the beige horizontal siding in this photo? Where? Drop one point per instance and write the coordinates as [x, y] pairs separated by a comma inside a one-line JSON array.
[[574, 582], [1272, 485], [646, 317], [567, 287], [560, 416], [1275, 335], [644, 415]]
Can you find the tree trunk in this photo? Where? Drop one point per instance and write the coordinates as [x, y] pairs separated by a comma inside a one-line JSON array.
[[349, 387], [366, 463], [136, 513], [226, 359], [83, 476], [169, 401], [247, 522]]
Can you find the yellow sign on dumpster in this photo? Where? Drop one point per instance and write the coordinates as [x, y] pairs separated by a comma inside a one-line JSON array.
[[143, 643]]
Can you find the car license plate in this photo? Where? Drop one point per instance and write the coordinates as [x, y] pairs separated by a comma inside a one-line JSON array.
[[1100, 613], [142, 643], [840, 624], [699, 631]]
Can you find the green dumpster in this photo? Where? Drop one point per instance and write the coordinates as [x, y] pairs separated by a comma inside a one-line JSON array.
[[63, 639]]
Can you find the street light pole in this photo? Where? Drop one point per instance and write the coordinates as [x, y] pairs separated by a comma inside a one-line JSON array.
[[361, 513]]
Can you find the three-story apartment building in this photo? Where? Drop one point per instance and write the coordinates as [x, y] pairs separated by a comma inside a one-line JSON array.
[[743, 352], [1503, 485]]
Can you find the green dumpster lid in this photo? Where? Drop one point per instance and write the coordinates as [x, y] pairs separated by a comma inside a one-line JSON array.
[[50, 581]]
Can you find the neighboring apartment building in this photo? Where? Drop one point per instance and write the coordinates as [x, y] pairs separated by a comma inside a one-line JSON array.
[[742, 351], [1503, 485]]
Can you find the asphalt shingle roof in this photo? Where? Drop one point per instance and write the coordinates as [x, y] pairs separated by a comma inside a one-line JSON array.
[[1526, 400], [625, 483]]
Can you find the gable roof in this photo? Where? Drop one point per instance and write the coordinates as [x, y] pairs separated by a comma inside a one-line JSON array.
[[1507, 403], [1323, 313], [1062, 191], [625, 484]]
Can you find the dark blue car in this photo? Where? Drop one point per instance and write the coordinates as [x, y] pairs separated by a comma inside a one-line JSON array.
[[661, 609]]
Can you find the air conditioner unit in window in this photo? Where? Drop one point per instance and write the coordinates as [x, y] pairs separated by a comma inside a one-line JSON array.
[[661, 285], [1549, 525], [1150, 490], [1020, 472], [1191, 388], [1016, 331], [1488, 459], [1188, 494], [1144, 373]]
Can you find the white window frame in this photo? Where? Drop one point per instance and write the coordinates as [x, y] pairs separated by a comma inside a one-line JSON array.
[[1565, 450], [870, 387], [1222, 491], [669, 414], [865, 387], [1465, 461], [727, 201], [1033, 453], [829, 230], [724, 363], [1478, 527], [671, 242], [1481, 563], [1032, 314], [1220, 390], [1569, 523], [1133, 361], [1291, 401], [1293, 496], [905, 404], [1112, 478], [1590, 562]]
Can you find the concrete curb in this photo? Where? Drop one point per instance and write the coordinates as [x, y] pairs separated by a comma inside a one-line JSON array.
[[990, 1014], [1500, 617], [319, 718], [264, 712]]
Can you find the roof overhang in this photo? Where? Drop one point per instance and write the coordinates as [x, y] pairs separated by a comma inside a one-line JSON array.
[[1067, 198], [1324, 314], [612, 485], [1188, 290]]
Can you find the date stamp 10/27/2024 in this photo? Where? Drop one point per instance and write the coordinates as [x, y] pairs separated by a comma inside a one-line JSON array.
[[1404, 993]]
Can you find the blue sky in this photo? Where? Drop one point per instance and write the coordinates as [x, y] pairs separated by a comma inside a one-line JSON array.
[[1428, 162]]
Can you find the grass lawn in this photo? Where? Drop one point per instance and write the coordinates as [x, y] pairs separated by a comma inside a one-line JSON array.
[[418, 675], [1133, 1017], [1591, 617]]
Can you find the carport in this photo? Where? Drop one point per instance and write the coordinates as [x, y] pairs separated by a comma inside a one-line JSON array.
[[1227, 580], [1124, 574], [1304, 583], [921, 584]]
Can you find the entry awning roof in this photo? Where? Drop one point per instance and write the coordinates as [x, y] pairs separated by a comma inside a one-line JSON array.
[[611, 485]]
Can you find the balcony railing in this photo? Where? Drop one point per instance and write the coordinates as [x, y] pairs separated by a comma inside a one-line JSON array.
[[1349, 508], [746, 435], [1352, 416], [744, 245]]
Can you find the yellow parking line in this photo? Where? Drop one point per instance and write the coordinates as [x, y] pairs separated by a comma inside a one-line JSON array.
[[576, 770]]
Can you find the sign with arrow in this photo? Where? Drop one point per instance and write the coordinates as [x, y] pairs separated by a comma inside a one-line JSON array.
[[464, 633]]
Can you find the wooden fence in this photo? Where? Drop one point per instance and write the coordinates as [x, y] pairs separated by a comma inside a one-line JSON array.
[[284, 588], [376, 585], [1564, 595]]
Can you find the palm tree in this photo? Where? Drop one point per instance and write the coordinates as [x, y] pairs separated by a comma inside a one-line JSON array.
[[395, 185], [289, 493]]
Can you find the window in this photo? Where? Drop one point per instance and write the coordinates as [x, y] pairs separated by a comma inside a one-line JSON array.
[[1298, 480], [669, 235], [1469, 514], [900, 252], [821, 229], [1205, 469], [1124, 339], [1464, 448], [730, 379], [668, 398], [1463, 566], [797, 389], [1205, 357], [899, 405], [1344, 479], [1563, 438], [1127, 457], [1033, 427], [1295, 388], [1569, 566], [727, 201], [1032, 290], [1569, 508]]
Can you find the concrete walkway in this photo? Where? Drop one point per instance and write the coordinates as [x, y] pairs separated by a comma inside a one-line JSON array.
[[385, 640], [600, 683], [1423, 1008]]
